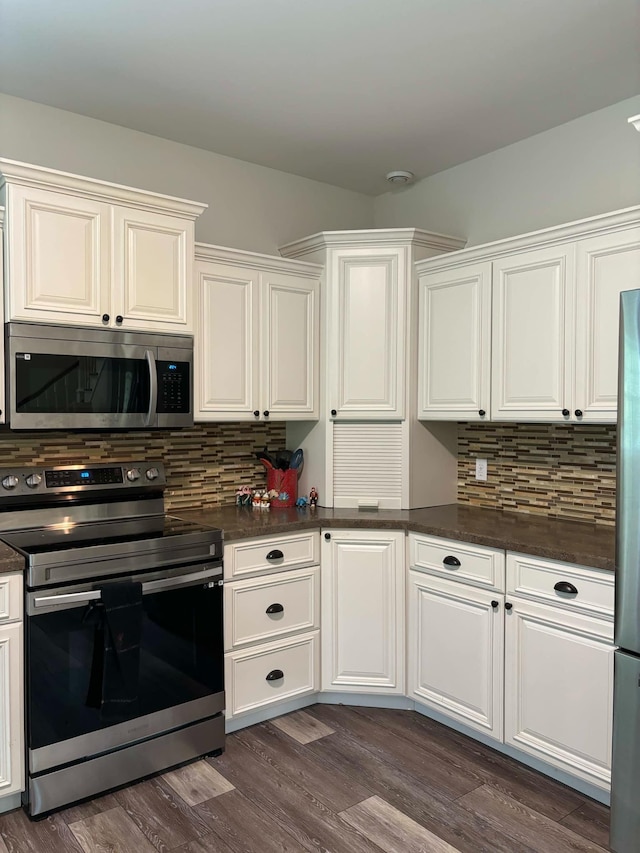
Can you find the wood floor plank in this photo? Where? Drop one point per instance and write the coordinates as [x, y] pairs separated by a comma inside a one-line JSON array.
[[207, 844], [392, 830], [302, 727], [470, 833], [324, 781], [311, 823], [3, 846], [244, 827], [528, 786], [112, 831], [197, 782], [412, 757], [524, 823], [50, 835], [89, 808], [591, 821], [162, 817]]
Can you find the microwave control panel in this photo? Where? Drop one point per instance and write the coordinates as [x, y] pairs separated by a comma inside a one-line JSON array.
[[174, 387]]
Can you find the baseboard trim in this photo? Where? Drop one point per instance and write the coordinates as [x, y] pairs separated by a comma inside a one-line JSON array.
[[10, 802]]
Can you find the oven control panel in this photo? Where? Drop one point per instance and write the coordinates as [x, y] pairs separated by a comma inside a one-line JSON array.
[[20, 482]]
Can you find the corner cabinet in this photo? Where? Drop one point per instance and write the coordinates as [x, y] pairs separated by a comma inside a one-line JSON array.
[[362, 611], [11, 687], [259, 319], [554, 308], [86, 252]]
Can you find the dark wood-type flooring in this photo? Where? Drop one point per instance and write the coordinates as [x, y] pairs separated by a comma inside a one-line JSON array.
[[330, 778]]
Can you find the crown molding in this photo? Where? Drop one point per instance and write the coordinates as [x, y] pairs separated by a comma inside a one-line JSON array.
[[635, 121], [616, 220], [254, 260], [40, 177], [391, 237]]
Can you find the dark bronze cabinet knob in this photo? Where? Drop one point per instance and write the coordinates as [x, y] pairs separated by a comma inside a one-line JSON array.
[[566, 413], [119, 319], [334, 412], [578, 413], [482, 413], [256, 413], [266, 413], [105, 318], [508, 606]]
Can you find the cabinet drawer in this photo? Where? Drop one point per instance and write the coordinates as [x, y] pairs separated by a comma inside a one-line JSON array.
[[272, 554], [292, 597], [542, 580], [10, 597], [472, 564], [292, 665]]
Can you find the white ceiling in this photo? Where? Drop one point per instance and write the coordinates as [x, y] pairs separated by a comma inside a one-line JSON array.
[[342, 91]]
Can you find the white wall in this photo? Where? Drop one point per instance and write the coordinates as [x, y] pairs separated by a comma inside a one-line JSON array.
[[250, 207], [579, 169]]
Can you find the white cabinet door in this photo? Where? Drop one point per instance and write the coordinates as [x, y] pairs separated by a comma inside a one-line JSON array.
[[11, 709], [290, 346], [226, 347], [3, 406], [559, 688], [362, 611], [455, 651], [152, 278], [367, 333], [58, 249], [605, 267], [454, 340], [532, 337]]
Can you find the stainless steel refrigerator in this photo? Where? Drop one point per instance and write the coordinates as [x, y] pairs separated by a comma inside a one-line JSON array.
[[625, 790]]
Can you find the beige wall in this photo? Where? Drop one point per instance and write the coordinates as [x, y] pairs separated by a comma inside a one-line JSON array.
[[250, 207], [579, 169]]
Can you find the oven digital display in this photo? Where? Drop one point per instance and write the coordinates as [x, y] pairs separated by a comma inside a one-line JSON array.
[[88, 477]]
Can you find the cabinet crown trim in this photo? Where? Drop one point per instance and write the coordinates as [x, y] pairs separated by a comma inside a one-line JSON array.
[[392, 237], [24, 174], [616, 220], [255, 260]]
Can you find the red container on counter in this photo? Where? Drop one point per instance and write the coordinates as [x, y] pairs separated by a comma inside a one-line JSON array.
[[285, 483]]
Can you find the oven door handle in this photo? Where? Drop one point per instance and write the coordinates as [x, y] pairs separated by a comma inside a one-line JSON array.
[[64, 599], [153, 385]]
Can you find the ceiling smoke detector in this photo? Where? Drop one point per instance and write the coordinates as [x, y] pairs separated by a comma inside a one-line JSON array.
[[399, 177]]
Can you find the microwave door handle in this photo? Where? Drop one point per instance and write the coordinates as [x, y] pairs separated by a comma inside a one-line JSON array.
[[153, 385]]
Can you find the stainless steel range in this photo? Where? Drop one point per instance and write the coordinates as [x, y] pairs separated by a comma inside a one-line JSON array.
[[123, 628]]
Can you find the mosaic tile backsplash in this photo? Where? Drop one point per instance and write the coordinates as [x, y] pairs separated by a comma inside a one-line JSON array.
[[204, 464], [557, 470]]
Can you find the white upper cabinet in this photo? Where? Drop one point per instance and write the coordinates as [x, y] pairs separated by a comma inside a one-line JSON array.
[[2, 389], [454, 339], [554, 298], [606, 266], [533, 335], [257, 337], [367, 333], [85, 252]]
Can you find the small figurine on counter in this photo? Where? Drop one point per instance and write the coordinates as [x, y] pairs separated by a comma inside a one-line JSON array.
[[244, 496], [313, 497], [257, 498], [272, 494], [265, 502], [302, 502]]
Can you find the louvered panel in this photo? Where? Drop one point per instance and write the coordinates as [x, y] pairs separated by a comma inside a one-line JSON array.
[[367, 465]]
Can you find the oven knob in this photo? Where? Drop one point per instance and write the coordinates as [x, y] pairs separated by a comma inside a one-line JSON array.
[[152, 473], [34, 480], [10, 482], [133, 474]]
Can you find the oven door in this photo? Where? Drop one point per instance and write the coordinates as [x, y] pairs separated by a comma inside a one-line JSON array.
[[181, 673]]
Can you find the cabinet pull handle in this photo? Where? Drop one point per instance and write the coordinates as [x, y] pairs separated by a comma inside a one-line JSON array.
[[482, 413], [275, 675], [256, 413], [578, 413], [566, 413], [105, 318], [327, 536], [334, 412], [565, 586], [451, 561], [274, 608], [495, 603], [508, 605], [276, 554]]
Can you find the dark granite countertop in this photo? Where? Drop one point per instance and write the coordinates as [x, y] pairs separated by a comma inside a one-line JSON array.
[[570, 541], [10, 560]]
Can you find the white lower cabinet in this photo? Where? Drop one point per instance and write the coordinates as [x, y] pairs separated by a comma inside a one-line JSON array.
[[455, 654], [272, 620], [363, 611], [11, 686]]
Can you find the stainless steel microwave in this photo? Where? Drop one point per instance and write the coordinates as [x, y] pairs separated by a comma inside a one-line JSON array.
[[65, 377]]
